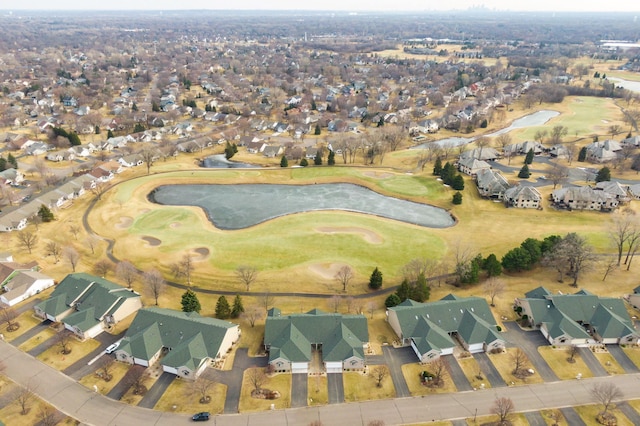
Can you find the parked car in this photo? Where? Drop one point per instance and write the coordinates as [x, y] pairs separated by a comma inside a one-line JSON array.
[[111, 348], [200, 417]]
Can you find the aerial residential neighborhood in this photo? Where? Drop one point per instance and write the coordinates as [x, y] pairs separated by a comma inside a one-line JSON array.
[[306, 217]]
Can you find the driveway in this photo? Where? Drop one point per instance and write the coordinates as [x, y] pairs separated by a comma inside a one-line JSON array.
[[154, 394], [81, 368], [629, 412], [619, 355], [572, 417], [299, 389], [118, 391], [233, 378], [336, 388], [489, 370], [529, 342], [535, 418], [592, 362], [395, 358], [51, 341], [456, 373], [30, 333]]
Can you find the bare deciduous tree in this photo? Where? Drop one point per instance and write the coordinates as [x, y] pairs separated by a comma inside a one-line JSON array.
[[105, 367], [184, 268], [149, 157], [102, 267], [49, 416], [75, 230], [257, 378], [371, 307], [201, 387], [606, 393], [91, 242], [439, 370], [502, 407], [136, 378], [493, 287], [379, 373], [343, 276], [572, 351], [558, 174], [126, 272], [252, 315], [27, 240], [334, 303], [24, 397], [520, 362], [8, 315], [98, 189], [52, 248], [267, 300], [72, 256], [154, 283], [63, 340], [247, 274]]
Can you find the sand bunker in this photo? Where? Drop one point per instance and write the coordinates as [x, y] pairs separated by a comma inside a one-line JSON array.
[[378, 175], [151, 241], [368, 235], [326, 271], [199, 254], [175, 225], [124, 223]]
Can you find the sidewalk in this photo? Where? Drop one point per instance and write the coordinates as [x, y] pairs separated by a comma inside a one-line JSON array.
[[91, 408]]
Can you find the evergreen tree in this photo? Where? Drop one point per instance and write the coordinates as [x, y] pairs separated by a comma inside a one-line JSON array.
[[155, 107], [529, 157], [532, 246], [109, 134], [524, 172], [3, 164], [229, 152], [492, 266], [317, 160], [96, 129], [190, 302], [392, 300], [604, 175], [74, 139], [420, 291], [317, 130], [484, 124], [381, 121], [582, 155], [238, 308], [331, 159], [314, 107], [45, 213], [437, 167], [284, 162], [457, 198], [458, 182], [139, 127], [517, 259], [12, 160], [472, 274], [223, 310], [404, 291], [375, 282], [304, 162], [134, 107], [448, 173]]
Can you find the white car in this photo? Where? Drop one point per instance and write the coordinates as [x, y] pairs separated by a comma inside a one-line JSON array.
[[111, 348]]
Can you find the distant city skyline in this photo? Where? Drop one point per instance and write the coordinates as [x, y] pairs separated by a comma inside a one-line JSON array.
[[350, 5]]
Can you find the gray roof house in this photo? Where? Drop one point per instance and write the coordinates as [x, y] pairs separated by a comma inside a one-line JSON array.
[[581, 319], [23, 285], [485, 154], [87, 305], [432, 328], [188, 341], [471, 166], [600, 152], [491, 184], [525, 197], [583, 198], [292, 339]]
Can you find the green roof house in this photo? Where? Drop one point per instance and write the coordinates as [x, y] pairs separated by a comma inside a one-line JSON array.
[[293, 340], [578, 319], [185, 343], [433, 328], [87, 305]]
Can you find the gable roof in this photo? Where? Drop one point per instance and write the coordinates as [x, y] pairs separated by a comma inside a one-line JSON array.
[[191, 338], [291, 336]]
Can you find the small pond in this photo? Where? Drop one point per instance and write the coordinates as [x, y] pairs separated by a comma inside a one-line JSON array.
[[219, 161], [634, 86], [243, 205]]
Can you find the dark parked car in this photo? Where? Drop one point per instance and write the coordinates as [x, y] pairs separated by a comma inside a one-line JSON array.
[[200, 417]]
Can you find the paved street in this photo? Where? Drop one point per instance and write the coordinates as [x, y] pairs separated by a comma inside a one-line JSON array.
[[94, 409]]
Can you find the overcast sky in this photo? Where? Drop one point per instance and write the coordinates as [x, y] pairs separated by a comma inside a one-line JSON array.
[[348, 5]]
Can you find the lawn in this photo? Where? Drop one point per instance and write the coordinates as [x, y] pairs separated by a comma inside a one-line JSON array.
[[471, 370], [546, 415], [178, 398], [278, 382], [55, 359], [588, 413], [130, 398], [633, 352], [556, 358], [118, 370], [609, 363], [27, 321], [380, 332], [516, 419], [504, 363], [362, 387], [37, 339], [317, 390], [411, 373]]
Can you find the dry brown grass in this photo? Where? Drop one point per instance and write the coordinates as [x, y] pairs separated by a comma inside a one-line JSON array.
[[278, 382], [27, 321], [504, 364], [609, 363], [317, 390], [471, 370], [556, 358], [37, 339], [411, 373], [633, 352], [178, 399], [55, 359], [118, 370], [588, 413], [362, 387]]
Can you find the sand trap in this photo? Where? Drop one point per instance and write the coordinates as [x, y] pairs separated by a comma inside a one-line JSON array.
[[326, 271], [151, 241], [145, 211], [124, 223], [368, 235], [200, 254], [378, 175], [175, 225]]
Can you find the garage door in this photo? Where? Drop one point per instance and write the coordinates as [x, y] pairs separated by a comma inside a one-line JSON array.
[[334, 367], [299, 367]]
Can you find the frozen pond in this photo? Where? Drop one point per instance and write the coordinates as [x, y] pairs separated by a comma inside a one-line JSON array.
[[219, 161], [243, 205], [634, 86], [535, 119]]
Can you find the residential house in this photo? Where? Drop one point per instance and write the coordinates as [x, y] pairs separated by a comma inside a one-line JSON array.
[[615, 189], [634, 299], [631, 141], [12, 176], [524, 148], [291, 341], [634, 191], [524, 197], [559, 151], [188, 341], [470, 166], [491, 183], [272, 151], [255, 147], [583, 198], [132, 160], [62, 155], [436, 328], [580, 319], [484, 154], [22, 285], [88, 305], [600, 152]]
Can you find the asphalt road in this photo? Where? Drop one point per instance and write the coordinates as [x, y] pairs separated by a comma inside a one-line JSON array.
[[529, 342], [299, 390], [627, 365], [456, 374], [395, 358], [489, 370], [592, 362], [156, 391], [335, 385]]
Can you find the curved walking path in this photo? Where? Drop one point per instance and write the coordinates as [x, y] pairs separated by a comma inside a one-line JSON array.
[[92, 408]]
